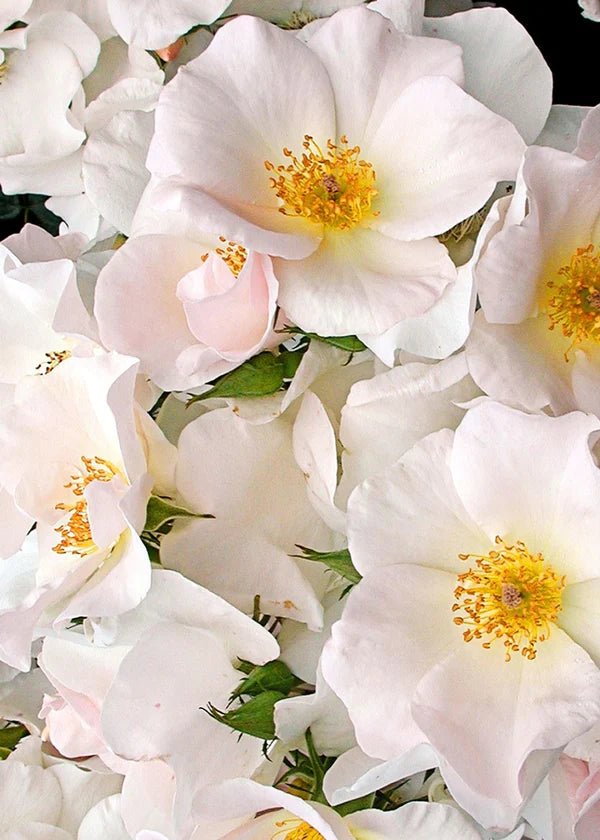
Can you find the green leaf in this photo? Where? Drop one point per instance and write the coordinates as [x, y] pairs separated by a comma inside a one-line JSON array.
[[338, 561], [258, 377], [159, 511], [252, 718], [10, 737], [274, 676], [350, 343]]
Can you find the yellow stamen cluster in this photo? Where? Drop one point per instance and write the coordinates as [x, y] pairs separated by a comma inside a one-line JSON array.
[[574, 306], [3, 70], [232, 253], [52, 360], [509, 594], [76, 535], [333, 188], [301, 831], [297, 20]]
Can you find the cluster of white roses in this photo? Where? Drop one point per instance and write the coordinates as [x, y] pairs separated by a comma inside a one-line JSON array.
[[300, 436]]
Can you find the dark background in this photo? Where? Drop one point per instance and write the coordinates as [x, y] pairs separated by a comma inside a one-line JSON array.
[[569, 42]]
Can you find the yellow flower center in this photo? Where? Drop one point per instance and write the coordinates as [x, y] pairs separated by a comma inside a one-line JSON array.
[[300, 831], [76, 534], [52, 360], [232, 253], [3, 70], [333, 188], [509, 594], [297, 20], [574, 305]]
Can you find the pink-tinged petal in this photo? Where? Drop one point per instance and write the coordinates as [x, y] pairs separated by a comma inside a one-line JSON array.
[[406, 15], [494, 448], [564, 211], [585, 380], [356, 774], [137, 308], [170, 207], [562, 127], [316, 455], [437, 333], [244, 797], [503, 67], [402, 603], [104, 820], [588, 141], [148, 792], [28, 794], [118, 585], [103, 511], [386, 415], [153, 24], [497, 725], [362, 281], [153, 709], [246, 477], [521, 364], [428, 154], [390, 516], [384, 63], [414, 821], [234, 320], [580, 615], [114, 174], [14, 526], [245, 118]]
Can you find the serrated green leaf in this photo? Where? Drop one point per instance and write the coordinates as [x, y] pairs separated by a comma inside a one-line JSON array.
[[274, 676], [252, 718], [338, 561], [159, 511], [11, 735], [258, 377]]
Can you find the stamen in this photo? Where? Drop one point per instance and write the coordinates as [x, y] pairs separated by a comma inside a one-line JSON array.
[[53, 359], [76, 535], [574, 306], [333, 188], [509, 594], [3, 71], [301, 831], [297, 20], [232, 253]]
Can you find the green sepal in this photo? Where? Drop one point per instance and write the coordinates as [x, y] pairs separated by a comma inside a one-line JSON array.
[[274, 676], [360, 804], [252, 718], [338, 561], [159, 511], [10, 737]]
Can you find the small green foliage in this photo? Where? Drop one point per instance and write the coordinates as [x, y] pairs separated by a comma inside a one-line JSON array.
[[274, 676], [17, 210], [338, 561], [160, 511], [9, 738], [260, 376], [349, 343], [354, 805], [252, 718]]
